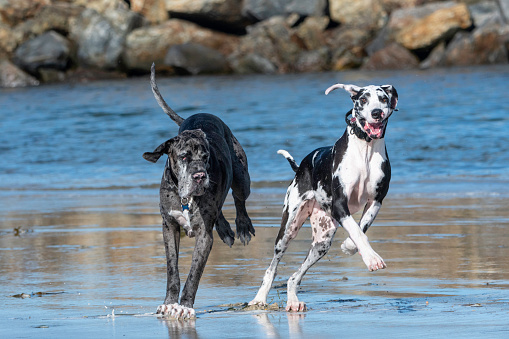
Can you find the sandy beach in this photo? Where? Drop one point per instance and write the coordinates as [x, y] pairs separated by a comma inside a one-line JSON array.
[[96, 268]]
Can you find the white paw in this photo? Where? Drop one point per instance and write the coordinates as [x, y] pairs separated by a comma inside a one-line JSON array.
[[256, 302], [373, 261], [348, 247], [296, 306], [176, 311]]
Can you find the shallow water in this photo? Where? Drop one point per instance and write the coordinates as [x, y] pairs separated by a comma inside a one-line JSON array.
[[81, 249]]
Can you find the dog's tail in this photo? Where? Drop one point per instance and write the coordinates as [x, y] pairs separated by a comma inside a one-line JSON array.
[[171, 113], [290, 159]]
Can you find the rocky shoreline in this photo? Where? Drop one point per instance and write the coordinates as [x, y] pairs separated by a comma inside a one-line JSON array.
[[43, 41]]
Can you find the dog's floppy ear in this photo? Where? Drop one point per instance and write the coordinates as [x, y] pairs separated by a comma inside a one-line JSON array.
[[164, 148], [392, 93], [352, 89]]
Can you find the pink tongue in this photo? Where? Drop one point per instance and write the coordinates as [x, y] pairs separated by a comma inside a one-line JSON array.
[[374, 130]]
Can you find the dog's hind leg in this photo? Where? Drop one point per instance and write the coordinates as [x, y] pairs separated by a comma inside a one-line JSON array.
[[293, 218], [240, 190], [324, 229], [224, 230]]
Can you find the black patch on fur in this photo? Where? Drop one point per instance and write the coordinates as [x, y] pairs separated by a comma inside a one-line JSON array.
[[383, 186]]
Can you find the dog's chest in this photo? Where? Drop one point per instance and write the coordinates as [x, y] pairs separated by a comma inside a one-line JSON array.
[[360, 172]]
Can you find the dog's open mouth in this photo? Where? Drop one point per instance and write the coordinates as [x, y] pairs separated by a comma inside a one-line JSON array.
[[374, 130]]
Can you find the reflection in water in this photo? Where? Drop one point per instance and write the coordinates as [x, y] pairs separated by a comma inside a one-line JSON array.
[[181, 328]]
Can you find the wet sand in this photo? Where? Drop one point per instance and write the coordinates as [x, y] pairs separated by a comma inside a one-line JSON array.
[[86, 264]]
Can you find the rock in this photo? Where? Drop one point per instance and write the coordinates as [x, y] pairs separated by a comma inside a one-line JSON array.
[[485, 12], [273, 40], [225, 14], [439, 26], [52, 17], [263, 9], [311, 32], [313, 61], [49, 50], [393, 56], [11, 76], [101, 41], [252, 63], [363, 13], [196, 59], [153, 10], [485, 45], [347, 45], [408, 16], [436, 58], [103, 6], [13, 12], [146, 45]]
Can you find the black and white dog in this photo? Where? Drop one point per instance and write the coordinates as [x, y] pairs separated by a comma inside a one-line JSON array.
[[332, 183], [204, 161]]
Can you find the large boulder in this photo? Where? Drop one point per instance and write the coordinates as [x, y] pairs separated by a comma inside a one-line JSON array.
[[102, 6], [263, 9], [485, 45], [363, 13], [101, 39], [347, 45], [49, 50], [485, 12], [441, 25], [195, 59], [146, 45], [311, 32], [12, 76], [51, 17], [391, 57]]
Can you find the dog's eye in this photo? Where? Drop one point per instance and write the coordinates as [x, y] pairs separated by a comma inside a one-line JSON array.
[[364, 100], [384, 100]]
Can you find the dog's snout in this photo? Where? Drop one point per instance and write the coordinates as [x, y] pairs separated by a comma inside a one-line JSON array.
[[376, 113], [199, 176]]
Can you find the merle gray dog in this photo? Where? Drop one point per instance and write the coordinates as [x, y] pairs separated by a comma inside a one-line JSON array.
[[332, 183], [204, 161]]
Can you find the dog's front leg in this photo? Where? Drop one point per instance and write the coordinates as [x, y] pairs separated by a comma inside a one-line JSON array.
[[202, 249], [171, 236], [368, 216], [341, 213]]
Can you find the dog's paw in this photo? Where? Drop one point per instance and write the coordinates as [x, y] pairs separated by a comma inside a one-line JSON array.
[[176, 311], [373, 261], [296, 306], [225, 231], [244, 229], [348, 247], [256, 302]]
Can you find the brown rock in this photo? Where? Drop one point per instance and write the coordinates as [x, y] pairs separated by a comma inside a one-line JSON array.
[[484, 45], [102, 6], [153, 10], [438, 26], [313, 61], [365, 13], [13, 12], [146, 45], [311, 32], [393, 56]]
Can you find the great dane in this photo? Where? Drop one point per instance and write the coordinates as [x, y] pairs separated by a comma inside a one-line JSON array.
[[332, 183], [204, 161]]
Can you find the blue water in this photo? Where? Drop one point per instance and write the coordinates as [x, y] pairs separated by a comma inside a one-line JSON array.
[[451, 133]]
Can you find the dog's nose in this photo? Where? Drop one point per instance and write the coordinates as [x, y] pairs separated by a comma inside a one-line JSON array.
[[199, 176], [376, 113]]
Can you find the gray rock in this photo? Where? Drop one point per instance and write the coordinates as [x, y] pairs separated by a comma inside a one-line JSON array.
[[219, 12], [253, 63], [12, 76], [313, 61], [49, 50], [196, 59], [101, 40], [264, 9], [436, 58], [485, 12]]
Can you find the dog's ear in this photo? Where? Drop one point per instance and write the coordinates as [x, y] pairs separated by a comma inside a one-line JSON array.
[[392, 93], [164, 148], [352, 89]]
